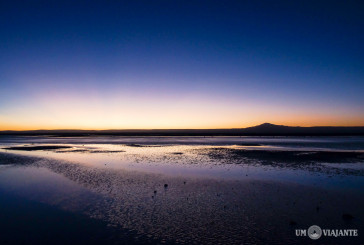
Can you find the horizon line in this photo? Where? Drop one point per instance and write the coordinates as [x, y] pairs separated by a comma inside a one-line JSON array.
[[146, 129]]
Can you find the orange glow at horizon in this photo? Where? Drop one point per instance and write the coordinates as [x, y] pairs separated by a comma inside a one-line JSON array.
[[159, 119], [142, 111]]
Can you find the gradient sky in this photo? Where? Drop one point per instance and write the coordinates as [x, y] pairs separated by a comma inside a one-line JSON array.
[[180, 64]]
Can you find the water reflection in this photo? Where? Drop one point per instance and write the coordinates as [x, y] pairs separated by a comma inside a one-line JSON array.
[[189, 193]]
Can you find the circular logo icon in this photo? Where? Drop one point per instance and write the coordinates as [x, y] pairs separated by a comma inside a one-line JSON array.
[[314, 232]]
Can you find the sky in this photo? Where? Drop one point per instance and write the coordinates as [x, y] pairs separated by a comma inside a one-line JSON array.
[[180, 64]]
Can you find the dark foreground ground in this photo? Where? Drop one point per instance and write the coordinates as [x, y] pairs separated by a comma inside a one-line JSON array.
[[49, 201], [30, 222]]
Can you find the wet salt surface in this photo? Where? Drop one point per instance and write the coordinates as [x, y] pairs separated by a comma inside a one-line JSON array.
[[228, 162], [30, 182], [328, 143], [208, 200]]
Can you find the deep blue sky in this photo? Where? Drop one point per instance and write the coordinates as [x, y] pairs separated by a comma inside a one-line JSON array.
[[176, 64]]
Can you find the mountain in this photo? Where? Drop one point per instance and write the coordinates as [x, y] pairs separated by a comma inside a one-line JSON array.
[[272, 129], [265, 129]]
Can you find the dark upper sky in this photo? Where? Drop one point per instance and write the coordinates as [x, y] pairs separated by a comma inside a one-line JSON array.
[[180, 64]]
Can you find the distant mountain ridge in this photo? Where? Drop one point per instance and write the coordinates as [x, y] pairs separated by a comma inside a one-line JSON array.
[[265, 129], [272, 129]]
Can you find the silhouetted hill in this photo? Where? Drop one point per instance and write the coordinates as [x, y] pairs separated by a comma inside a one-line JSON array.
[[271, 129], [265, 129]]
